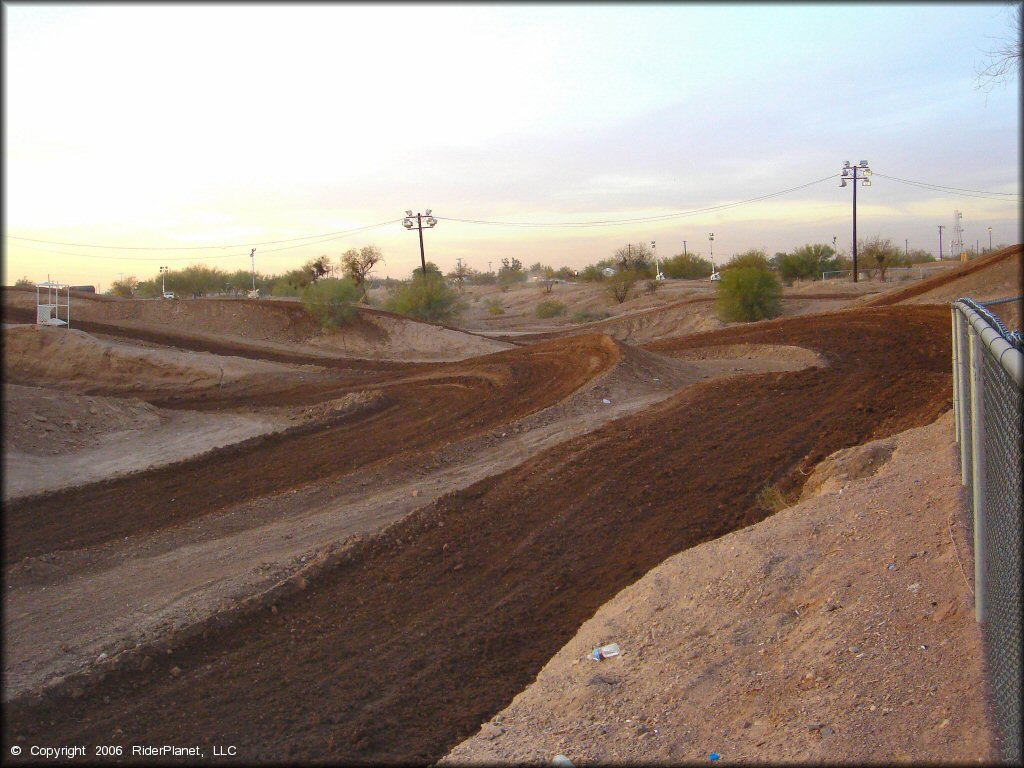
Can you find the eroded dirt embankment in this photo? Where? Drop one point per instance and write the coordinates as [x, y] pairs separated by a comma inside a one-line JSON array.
[[408, 640]]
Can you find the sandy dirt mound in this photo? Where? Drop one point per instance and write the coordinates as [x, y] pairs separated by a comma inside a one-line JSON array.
[[838, 630], [48, 422], [390, 337], [77, 361]]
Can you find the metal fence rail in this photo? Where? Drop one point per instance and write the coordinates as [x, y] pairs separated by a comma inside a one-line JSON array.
[[988, 398]]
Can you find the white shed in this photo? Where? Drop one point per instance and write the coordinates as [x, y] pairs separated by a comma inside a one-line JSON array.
[[48, 311]]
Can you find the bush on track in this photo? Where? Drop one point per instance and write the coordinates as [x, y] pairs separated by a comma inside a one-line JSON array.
[[550, 308]]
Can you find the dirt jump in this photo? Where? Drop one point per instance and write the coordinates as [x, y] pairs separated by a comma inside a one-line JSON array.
[[459, 519]]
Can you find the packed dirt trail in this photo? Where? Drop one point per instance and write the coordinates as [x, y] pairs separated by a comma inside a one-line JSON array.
[[397, 646], [228, 555]]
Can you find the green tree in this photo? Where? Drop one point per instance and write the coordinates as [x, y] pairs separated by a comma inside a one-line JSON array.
[[511, 272], [592, 274], [430, 299], [124, 287], [635, 257], [805, 263], [432, 269], [461, 275], [755, 258], [748, 293], [686, 266], [877, 253], [357, 264], [330, 301]]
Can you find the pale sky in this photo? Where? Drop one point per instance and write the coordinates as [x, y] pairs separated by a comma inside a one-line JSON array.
[[230, 126]]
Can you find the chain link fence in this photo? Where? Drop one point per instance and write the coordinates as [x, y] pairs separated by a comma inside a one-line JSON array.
[[988, 396]]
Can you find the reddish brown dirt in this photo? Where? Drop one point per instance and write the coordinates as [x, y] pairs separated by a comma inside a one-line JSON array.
[[980, 264], [414, 413], [399, 649]]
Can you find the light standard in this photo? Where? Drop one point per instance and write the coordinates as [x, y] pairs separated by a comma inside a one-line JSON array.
[[429, 221], [990, 239], [163, 282], [711, 247], [940, 241], [850, 172], [252, 255]]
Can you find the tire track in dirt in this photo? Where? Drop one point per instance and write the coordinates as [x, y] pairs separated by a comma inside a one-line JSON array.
[[455, 400], [399, 650]]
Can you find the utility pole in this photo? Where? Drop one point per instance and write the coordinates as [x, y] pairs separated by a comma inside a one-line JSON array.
[[429, 221], [711, 246], [163, 283], [850, 171], [684, 247], [252, 255], [990, 239], [906, 248], [488, 267], [941, 227]]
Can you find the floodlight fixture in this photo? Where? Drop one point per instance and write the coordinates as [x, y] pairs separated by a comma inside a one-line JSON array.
[[852, 173]]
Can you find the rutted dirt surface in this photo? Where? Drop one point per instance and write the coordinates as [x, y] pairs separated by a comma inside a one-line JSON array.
[[414, 413], [837, 630], [395, 647], [229, 555]]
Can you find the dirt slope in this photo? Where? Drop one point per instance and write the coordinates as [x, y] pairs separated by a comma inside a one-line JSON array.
[[822, 634], [281, 324], [404, 642]]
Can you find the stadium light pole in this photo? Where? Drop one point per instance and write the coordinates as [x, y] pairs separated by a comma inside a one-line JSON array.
[[163, 281], [940, 241], [252, 255], [990, 239], [419, 223], [850, 172], [711, 247]]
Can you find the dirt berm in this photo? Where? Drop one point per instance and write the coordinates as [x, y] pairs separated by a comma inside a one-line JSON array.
[[403, 643]]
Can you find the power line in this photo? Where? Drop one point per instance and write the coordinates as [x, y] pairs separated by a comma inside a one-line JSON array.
[[326, 235], [614, 222], [198, 258], [976, 193]]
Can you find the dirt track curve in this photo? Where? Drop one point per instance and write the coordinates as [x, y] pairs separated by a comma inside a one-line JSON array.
[[409, 414], [405, 642]]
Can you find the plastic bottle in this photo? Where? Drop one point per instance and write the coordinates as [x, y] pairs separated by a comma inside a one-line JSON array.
[[606, 651]]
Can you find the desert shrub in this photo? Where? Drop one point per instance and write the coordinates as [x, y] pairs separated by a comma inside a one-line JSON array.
[[550, 308], [431, 299], [686, 266], [285, 288], [805, 262], [650, 287], [586, 316], [754, 258], [331, 301], [494, 306], [771, 499], [620, 284], [592, 274], [746, 294], [24, 282]]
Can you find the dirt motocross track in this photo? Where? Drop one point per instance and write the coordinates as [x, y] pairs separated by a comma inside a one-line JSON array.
[[395, 647]]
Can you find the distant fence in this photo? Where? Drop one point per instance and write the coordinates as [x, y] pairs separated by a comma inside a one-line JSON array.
[[988, 401]]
